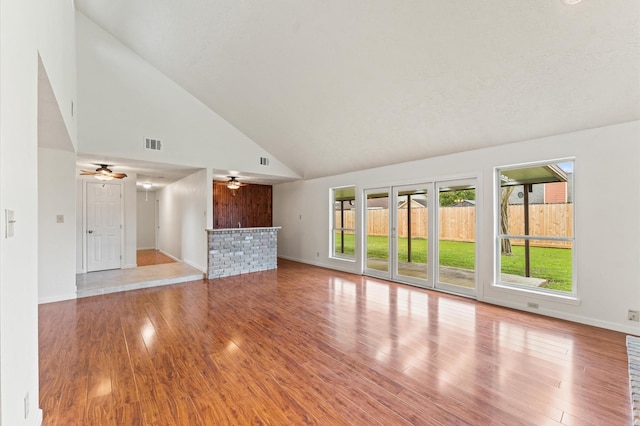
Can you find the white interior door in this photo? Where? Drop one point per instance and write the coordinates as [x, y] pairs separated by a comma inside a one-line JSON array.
[[104, 226]]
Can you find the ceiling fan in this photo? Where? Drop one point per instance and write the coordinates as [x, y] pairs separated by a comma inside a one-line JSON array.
[[232, 183], [103, 173]]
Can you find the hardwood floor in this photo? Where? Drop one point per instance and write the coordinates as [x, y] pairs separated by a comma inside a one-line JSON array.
[[151, 257], [305, 345]]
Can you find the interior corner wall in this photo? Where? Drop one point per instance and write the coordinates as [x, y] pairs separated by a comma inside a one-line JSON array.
[[145, 219], [19, 193], [56, 240], [607, 228], [183, 218]]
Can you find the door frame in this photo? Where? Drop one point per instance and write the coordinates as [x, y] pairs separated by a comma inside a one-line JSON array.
[[370, 271], [433, 237], [437, 284], [395, 276], [85, 266]]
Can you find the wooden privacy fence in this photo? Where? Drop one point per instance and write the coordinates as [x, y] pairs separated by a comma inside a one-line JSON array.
[[458, 223]]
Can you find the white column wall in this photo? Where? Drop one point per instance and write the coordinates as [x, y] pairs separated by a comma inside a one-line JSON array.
[[56, 241], [184, 211], [19, 192]]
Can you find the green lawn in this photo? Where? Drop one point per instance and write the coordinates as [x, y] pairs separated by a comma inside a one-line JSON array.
[[552, 264]]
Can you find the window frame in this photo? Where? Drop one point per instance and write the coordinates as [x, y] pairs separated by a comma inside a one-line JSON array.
[[333, 228], [552, 294]]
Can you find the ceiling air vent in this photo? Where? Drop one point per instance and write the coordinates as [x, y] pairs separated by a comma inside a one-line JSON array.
[[264, 161], [152, 144]]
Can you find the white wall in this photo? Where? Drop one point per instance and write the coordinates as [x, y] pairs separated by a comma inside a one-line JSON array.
[[124, 99], [129, 198], [607, 201], [56, 241], [57, 48], [184, 211], [145, 217], [19, 192]]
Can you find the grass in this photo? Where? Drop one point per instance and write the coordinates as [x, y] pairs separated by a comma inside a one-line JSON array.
[[552, 264]]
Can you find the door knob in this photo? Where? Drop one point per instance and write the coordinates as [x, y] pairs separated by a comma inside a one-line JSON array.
[[90, 231]]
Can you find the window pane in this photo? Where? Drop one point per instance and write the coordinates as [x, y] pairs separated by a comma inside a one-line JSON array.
[[457, 236], [537, 201], [549, 219], [343, 220], [550, 264]]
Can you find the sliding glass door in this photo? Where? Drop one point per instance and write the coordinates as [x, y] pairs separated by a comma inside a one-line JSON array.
[[423, 234], [456, 230], [410, 231], [377, 243]]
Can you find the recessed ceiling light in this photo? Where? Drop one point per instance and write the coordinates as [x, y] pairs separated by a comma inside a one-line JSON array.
[[571, 1]]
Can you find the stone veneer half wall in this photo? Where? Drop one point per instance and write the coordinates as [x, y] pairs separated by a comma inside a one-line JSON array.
[[235, 251]]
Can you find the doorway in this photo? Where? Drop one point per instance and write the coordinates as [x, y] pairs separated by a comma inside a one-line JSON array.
[[455, 248], [422, 234], [396, 233], [103, 226]]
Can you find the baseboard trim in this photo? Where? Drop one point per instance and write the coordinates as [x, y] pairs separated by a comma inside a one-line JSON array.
[[565, 316], [170, 255], [193, 265], [60, 298], [38, 417], [320, 265]]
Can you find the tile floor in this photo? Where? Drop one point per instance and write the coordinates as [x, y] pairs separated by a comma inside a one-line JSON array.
[[103, 282]]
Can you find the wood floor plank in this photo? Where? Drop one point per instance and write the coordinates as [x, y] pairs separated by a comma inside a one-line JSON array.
[[305, 345]]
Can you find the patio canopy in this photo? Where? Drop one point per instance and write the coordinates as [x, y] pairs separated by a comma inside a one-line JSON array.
[[537, 174]]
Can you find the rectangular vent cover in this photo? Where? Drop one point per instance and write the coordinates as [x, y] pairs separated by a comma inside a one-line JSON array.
[[152, 144], [264, 161]]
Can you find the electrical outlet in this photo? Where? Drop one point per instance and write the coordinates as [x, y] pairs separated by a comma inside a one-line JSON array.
[[26, 406], [633, 315], [317, 254], [532, 305]]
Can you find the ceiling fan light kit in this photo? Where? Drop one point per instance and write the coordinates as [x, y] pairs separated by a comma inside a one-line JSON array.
[[103, 173], [233, 183]]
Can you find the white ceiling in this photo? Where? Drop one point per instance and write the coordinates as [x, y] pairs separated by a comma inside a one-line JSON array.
[[333, 86]]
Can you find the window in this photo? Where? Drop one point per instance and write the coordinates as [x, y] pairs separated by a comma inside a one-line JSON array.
[[343, 228], [535, 227]]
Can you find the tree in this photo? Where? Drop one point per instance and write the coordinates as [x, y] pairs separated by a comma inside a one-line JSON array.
[[452, 197], [505, 243]]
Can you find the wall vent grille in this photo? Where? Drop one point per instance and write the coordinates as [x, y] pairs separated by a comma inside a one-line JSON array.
[[264, 161], [152, 144]]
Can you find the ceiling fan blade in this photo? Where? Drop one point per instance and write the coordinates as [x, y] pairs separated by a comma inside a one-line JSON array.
[[118, 175], [87, 172]]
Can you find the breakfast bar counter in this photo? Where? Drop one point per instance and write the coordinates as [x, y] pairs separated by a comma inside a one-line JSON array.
[[235, 251]]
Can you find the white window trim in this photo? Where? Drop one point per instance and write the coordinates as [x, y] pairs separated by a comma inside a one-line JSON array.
[[571, 298], [333, 228]]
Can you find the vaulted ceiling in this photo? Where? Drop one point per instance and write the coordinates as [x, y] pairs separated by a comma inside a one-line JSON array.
[[333, 86]]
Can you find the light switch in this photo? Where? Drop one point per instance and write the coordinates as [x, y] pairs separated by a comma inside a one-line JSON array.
[[60, 218], [9, 216]]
